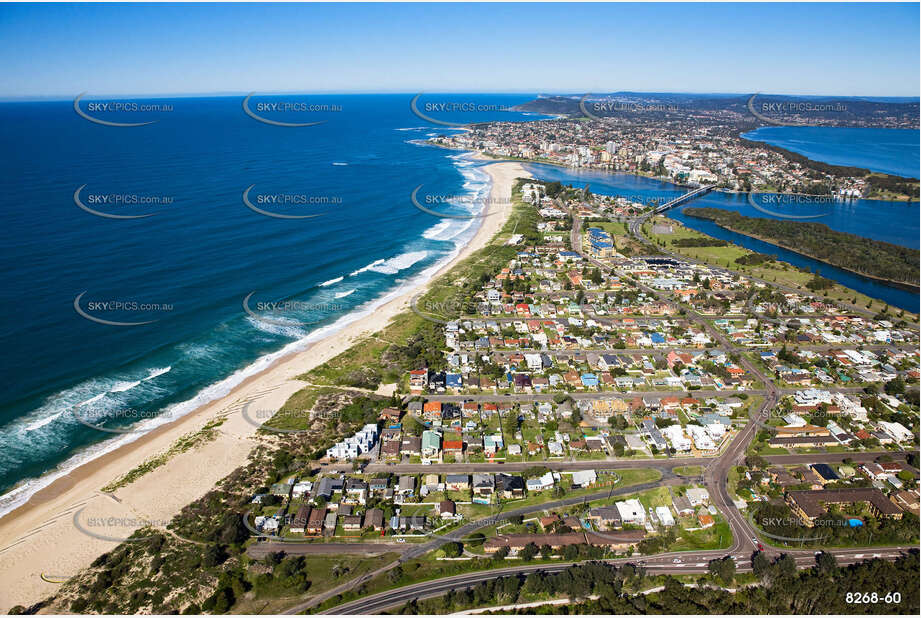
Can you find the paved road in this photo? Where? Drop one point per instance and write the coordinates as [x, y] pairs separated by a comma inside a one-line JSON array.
[[687, 563], [416, 550], [607, 464], [658, 394], [714, 476], [635, 227]]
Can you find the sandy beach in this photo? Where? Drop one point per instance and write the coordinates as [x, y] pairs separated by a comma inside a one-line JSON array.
[[40, 545]]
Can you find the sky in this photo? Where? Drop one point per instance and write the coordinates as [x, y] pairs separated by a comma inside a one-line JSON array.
[[823, 48]]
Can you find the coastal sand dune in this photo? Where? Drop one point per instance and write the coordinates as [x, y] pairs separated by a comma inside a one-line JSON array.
[[39, 541]]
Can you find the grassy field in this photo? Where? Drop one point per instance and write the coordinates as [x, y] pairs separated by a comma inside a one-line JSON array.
[[689, 470], [325, 572], [778, 272]]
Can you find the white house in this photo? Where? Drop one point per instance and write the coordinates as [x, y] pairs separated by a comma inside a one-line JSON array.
[[540, 483], [631, 511], [665, 516], [675, 436], [362, 442], [533, 361], [583, 478], [898, 431], [698, 496]]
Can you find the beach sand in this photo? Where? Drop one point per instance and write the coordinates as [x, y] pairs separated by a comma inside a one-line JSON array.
[[40, 541]]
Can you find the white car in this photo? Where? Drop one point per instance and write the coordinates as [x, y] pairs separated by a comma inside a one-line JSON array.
[[676, 561]]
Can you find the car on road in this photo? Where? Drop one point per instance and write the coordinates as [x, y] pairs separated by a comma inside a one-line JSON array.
[[676, 561]]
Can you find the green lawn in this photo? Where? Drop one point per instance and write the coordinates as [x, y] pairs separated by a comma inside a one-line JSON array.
[[780, 272], [689, 470]]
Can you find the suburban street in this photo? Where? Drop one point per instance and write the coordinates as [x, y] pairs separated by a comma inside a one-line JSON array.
[[715, 474]]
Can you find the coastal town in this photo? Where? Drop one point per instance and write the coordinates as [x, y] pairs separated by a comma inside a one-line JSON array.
[[461, 308], [683, 147], [579, 391], [584, 398]]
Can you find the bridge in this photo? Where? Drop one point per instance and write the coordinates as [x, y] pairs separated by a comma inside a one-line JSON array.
[[681, 199]]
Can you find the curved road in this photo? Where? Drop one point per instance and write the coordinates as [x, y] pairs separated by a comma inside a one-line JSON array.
[[687, 563], [714, 477]]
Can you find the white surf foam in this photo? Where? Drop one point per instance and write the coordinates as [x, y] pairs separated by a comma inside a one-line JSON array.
[[22, 492], [433, 233], [344, 294], [92, 399], [121, 387], [331, 282], [158, 372], [43, 421]]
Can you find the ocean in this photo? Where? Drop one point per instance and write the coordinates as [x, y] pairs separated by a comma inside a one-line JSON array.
[[259, 239], [118, 323]]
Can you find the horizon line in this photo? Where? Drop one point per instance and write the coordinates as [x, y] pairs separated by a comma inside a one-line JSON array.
[[25, 98]]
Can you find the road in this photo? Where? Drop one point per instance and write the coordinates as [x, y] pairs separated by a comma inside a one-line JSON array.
[[608, 464], [658, 394], [688, 563], [635, 227], [411, 551], [715, 475]]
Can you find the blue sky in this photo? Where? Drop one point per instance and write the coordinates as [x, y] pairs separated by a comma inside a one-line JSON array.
[[842, 49]]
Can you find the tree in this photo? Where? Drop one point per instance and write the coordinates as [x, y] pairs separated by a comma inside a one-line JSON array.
[[723, 568], [760, 565], [528, 552], [826, 563], [213, 555], [452, 550]]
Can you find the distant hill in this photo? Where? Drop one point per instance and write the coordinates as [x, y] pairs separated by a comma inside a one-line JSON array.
[[832, 111]]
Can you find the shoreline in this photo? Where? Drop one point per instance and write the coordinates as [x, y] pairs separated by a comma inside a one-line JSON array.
[[37, 538], [906, 202], [902, 285]]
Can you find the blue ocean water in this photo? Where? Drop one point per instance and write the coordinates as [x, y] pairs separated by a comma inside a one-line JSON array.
[[894, 222], [890, 151], [191, 265]]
